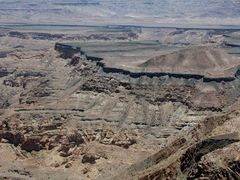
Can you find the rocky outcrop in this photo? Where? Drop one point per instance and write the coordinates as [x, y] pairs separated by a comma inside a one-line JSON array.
[[12, 82], [17, 34], [30, 138], [12, 137], [5, 72], [33, 143], [3, 54], [74, 61], [4, 102], [194, 154], [66, 50], [210, 171], [90, 158]]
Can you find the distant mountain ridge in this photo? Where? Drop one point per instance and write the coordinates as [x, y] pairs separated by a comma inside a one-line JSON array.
[[127, 11]]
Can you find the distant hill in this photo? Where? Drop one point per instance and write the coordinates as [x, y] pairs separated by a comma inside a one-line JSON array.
[[202, 60]]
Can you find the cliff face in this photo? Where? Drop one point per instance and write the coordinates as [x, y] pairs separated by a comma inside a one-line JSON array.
[[159, 74], [194, 63], [66, 51]]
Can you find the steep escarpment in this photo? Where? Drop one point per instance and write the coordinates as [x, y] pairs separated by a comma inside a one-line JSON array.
[[161, 74], [201, 62]]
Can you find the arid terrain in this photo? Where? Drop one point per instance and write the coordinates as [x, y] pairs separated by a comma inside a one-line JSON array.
[[119, 102], [104, 12]]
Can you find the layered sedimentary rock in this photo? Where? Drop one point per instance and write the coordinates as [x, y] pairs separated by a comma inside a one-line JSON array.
[[62, 111], [209, 151]]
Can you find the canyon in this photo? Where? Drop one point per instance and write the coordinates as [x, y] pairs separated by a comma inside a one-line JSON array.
[[119, 102]]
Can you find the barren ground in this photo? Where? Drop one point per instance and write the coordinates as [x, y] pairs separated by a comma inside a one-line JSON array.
[[63, 116]]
